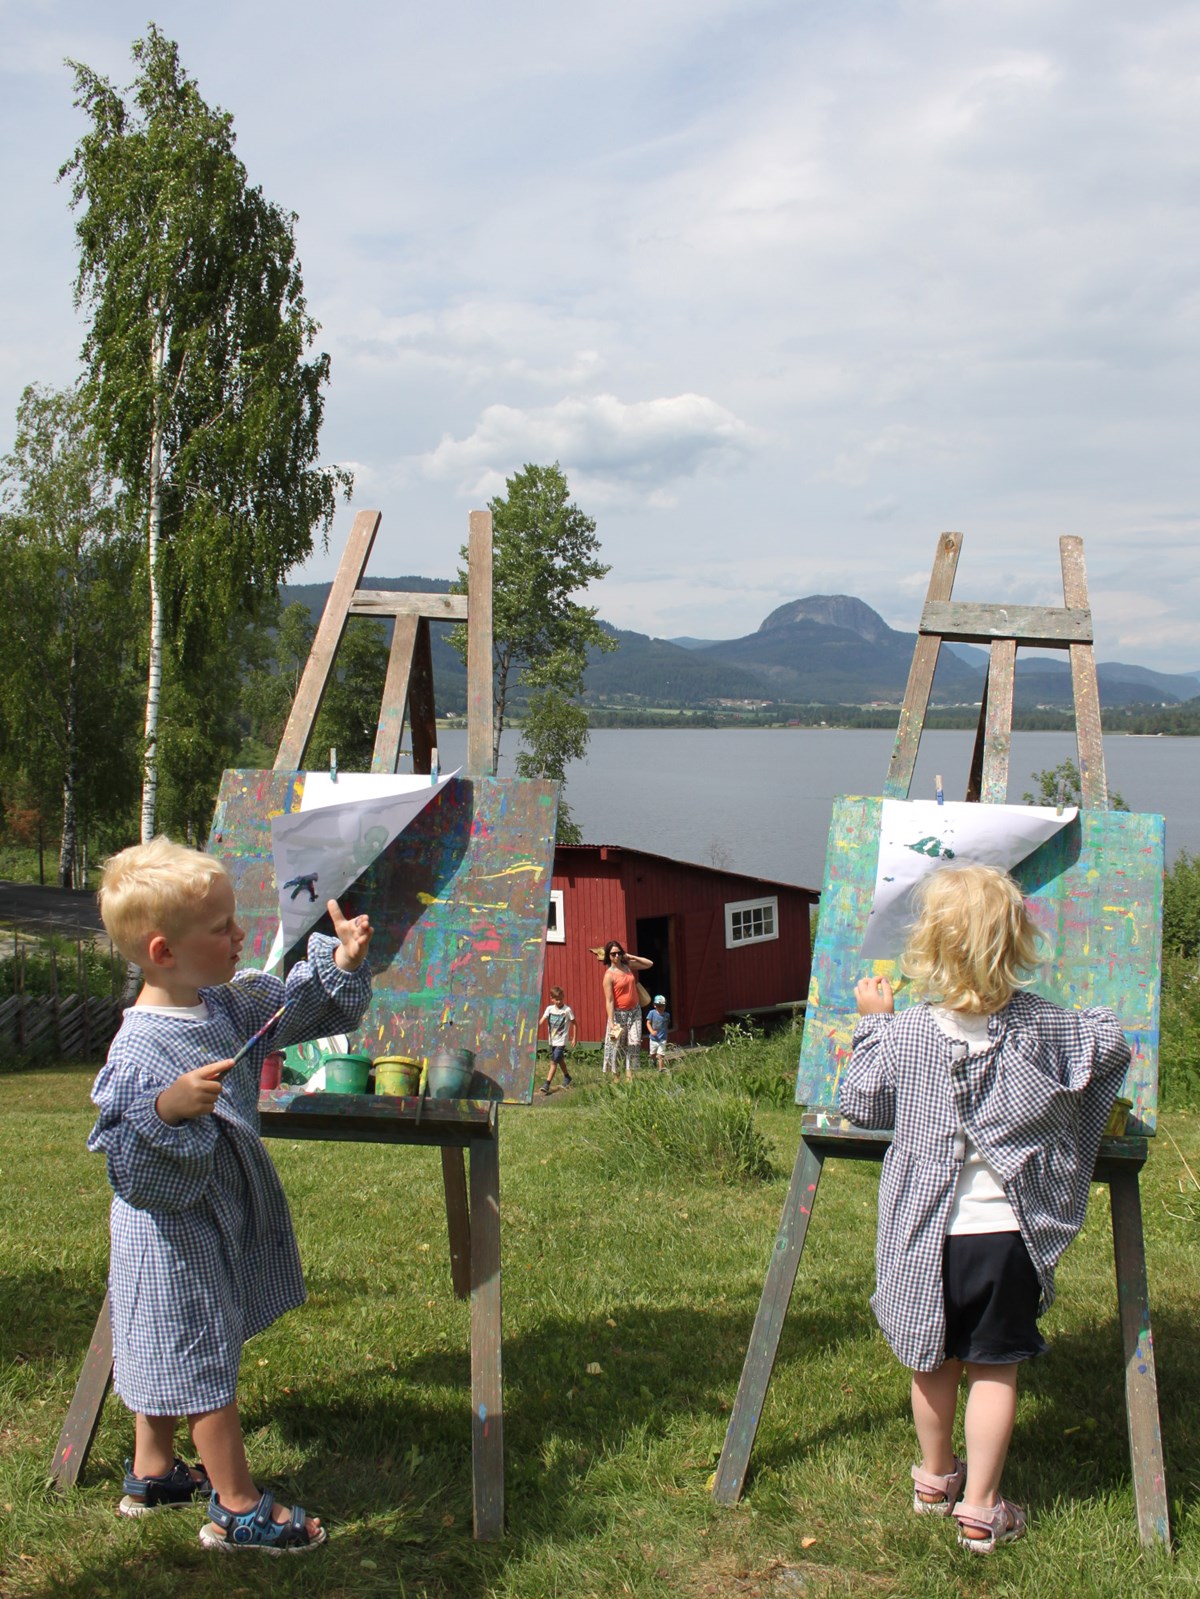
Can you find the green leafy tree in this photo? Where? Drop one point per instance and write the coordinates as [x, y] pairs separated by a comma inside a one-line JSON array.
[[349, 716], [270, 688], [207, 405], [554, 732], [67, 686], [545, 552], [1062, 785], [1181, 906]]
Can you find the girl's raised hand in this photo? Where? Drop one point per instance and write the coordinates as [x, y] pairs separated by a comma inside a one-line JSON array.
[[354, 937], [873, 996]]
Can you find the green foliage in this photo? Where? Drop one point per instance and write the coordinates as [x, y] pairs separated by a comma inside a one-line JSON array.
[[554, 732], [1179, 1052], [545, 551], [752, 1062], [692, 1122], [1181, 906], [349, 716], [1062, 785], [61, 965], [68, 671], [1179, 1032]]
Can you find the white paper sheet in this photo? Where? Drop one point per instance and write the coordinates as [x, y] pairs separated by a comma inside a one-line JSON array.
[[918, 836], [340, 828]]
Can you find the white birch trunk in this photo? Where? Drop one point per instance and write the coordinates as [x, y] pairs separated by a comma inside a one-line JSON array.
[[154, 679], [67, 847]]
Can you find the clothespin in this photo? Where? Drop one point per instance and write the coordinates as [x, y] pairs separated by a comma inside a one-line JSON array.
[[938, 790], [332, 764], [433, 766]]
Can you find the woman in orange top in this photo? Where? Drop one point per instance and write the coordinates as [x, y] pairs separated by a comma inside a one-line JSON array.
[[623, 1038]]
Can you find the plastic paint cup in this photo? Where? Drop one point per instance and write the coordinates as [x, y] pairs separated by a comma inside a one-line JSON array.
[[397, 1074], [450, 1074], [272, 1072], [1117, 1117], [347, 1074]]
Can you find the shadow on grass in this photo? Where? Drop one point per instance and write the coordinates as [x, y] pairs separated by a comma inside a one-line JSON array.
[[47, 1317], [387, 1456], [1071, 1440]]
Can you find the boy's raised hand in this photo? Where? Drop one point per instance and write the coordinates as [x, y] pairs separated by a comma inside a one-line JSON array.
[[354, 937], [873, 996], [193, 1094]]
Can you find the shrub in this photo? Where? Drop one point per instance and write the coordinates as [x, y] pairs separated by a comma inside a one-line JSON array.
[[687, 1123], [1179, 1035], [747, 1062], [1181, 906]]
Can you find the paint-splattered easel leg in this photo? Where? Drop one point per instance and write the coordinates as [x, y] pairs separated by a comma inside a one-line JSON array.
[[768, 1324]]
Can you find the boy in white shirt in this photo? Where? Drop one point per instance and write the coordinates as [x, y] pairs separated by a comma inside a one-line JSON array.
[[560, 1030]]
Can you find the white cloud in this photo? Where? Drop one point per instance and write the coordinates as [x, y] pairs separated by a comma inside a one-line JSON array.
[[607, 447]]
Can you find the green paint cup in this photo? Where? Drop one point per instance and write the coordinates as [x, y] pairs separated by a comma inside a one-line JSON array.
[[346, 1074], [397, 1074]]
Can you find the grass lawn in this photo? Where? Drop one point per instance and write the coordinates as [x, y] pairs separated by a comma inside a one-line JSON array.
[[628, 1300]]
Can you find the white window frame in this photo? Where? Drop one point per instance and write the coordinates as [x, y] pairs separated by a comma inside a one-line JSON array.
[[739, 908], [556, 933]]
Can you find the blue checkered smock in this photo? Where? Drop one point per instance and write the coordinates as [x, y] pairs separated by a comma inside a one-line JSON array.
[[203, 1252], [1033, 1102]]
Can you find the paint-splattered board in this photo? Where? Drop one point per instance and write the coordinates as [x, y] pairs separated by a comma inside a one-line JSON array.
[[1095, 891], [458, 901]]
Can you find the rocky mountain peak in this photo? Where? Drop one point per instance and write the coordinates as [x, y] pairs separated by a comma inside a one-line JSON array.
[[834, 610]]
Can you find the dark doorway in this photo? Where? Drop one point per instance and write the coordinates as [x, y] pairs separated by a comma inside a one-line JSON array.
[[654, 941]]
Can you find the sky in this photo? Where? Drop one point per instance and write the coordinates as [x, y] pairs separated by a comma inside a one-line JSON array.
[[788, 288]]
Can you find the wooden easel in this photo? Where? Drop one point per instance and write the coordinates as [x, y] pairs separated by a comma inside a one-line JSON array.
[[824, 1134], [472, 1215]]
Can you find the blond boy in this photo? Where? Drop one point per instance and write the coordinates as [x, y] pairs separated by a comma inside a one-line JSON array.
[[203, 1251]]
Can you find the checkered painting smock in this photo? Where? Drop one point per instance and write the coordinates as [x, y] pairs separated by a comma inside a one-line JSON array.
[[203, 1252], [1033, 1102]]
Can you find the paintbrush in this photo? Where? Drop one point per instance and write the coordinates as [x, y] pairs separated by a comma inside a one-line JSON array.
[[261, 1033]]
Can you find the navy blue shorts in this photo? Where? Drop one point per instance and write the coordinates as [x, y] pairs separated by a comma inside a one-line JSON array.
[[992, 1293], [557, 1051]]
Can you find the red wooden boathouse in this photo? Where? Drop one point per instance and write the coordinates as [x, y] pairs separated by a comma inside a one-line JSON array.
[[723, 944]]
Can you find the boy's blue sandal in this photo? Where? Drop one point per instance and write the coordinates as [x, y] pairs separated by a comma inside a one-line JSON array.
[[257, 1530], [173, 1490]]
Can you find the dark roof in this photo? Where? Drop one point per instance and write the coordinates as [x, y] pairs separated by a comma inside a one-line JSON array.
[[692, 866]]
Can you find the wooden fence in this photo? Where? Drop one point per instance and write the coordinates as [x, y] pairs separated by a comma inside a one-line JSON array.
[[72, 1019], [73, 1025]]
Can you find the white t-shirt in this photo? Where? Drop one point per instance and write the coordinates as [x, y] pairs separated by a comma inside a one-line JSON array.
[[980, 1203], [558, 1019]]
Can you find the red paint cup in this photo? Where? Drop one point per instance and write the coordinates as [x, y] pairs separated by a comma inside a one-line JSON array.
[[272, 1071]]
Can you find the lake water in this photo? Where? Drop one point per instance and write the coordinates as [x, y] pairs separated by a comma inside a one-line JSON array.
[[758, 801]]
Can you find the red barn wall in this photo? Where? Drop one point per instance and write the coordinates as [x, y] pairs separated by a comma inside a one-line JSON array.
[[606, 898]]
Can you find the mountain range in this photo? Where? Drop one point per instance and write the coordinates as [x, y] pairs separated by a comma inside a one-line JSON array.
[[827, 649]]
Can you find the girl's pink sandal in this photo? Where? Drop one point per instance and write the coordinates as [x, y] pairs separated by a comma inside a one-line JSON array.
[[949, 1487], [1002, 1522]]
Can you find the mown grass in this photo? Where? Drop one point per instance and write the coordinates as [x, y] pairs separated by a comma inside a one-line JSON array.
[[358, 1403]]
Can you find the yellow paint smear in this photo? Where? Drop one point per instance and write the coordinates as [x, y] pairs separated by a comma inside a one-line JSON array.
[[513, 871]]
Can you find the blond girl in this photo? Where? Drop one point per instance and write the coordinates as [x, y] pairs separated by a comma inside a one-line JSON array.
[[998, 1099]]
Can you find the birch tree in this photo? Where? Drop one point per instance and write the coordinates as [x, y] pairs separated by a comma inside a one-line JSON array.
[[206, 399]]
